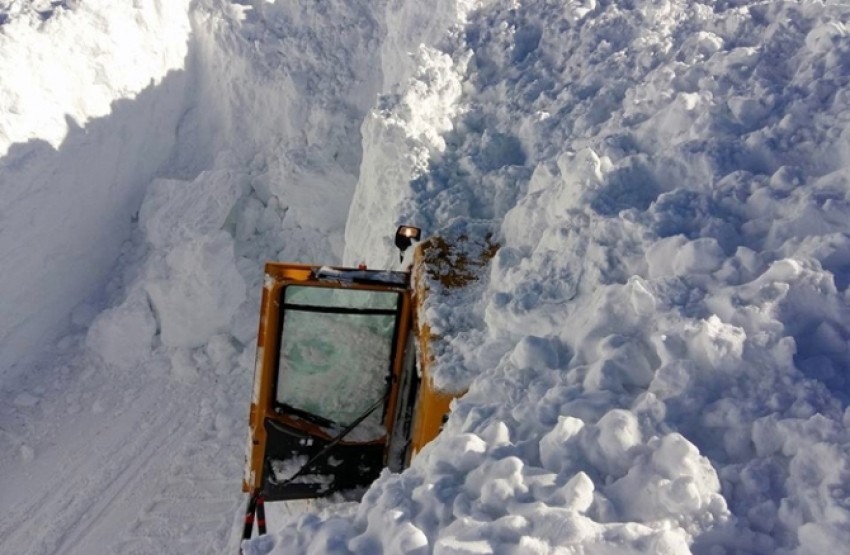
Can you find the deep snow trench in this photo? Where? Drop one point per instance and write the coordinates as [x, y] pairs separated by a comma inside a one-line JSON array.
[[657, 357]]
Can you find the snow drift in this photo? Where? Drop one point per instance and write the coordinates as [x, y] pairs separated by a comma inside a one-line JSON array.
[[88, 108]]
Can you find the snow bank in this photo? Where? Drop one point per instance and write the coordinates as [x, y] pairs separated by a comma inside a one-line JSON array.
[[224, 163], [90, 97], [279, 150], [669, 308], [106, 53]]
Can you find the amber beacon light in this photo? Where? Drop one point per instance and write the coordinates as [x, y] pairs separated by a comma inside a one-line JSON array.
[[405, 236]]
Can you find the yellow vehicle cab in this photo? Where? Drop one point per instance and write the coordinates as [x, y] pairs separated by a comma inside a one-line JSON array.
[[341, 385]]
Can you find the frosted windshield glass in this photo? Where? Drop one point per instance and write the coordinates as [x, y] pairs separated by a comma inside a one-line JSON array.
[[341, 298], [335, 364]]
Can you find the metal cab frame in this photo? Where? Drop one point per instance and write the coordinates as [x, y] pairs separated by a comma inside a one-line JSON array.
[[411, 410]]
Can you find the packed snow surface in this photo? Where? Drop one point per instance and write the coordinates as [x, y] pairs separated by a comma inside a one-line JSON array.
[[656, 358]]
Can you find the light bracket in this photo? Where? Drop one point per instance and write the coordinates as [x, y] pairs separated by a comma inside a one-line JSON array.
[[405, 236]]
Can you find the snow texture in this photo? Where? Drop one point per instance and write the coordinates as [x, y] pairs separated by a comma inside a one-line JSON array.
[[668, 182], [656, 357]]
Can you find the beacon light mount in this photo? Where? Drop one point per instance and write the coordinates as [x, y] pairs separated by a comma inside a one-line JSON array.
[[405, 236]]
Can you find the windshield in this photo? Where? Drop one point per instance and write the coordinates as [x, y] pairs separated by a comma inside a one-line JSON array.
[[335, 350]]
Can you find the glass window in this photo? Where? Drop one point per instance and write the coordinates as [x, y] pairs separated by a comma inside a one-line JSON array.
[[340, 298], [335, 351]]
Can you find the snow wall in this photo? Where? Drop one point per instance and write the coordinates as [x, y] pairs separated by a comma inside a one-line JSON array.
[[85, 123], [200, 106]]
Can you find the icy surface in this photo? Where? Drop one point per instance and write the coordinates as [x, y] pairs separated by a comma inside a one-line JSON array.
[[657, 355], [335, 366]]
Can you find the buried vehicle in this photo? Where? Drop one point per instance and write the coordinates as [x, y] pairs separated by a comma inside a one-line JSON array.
[[342, 384]]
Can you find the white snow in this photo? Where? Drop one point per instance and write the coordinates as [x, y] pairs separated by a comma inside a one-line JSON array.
[[89, 100], [656, 357]]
